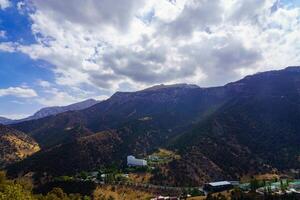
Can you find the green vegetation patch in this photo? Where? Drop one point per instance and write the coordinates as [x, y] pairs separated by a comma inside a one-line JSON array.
[[162, 156]]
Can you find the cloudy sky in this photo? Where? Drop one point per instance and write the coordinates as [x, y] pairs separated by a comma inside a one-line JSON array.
[[57, 52]]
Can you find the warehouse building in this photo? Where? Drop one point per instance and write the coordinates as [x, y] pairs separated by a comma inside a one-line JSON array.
[[218, 186], [132, 161]]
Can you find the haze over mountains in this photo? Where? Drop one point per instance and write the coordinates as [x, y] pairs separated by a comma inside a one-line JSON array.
[[244, 127]]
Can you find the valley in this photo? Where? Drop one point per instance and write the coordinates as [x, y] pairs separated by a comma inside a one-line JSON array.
[[149, 99], [188, 135]]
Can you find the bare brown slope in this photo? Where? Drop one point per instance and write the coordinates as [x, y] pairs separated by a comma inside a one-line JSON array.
[[15, 146], [86, 153]]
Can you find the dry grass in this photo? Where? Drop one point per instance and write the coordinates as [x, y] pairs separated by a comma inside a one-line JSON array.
[[227, 195], [166, 153], [140, 177], [267, 176], [16, 147], [120, 193], [197, 198]]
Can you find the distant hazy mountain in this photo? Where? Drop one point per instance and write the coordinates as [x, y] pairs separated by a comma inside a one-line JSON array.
[[15, 146], [4, 120], [49, 111], [248, 126]]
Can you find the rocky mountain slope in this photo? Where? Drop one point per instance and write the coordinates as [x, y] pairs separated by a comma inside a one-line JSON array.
[[244, 127], [256, 131], [15, 146]]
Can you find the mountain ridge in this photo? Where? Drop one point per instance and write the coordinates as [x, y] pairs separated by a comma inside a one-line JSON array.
[[217, 131]]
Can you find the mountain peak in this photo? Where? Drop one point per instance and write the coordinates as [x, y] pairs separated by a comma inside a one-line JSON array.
[[163, 86]]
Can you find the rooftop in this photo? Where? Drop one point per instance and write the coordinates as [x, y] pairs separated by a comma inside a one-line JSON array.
[[220, 183]]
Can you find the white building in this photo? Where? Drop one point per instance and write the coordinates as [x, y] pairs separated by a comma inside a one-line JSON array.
[[132, 161]]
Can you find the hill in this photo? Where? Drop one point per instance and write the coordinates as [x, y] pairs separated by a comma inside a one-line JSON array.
[[15, 146], [85, 153]]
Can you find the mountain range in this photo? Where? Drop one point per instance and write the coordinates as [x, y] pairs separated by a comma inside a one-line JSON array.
[[245, 127], [48, 111]]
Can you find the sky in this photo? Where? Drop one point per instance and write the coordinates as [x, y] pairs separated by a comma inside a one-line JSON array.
[[55, 52]]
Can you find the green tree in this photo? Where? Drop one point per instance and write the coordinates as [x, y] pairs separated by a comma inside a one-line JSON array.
[[83, 175], [55, 194], [254, 184], [14, 191]]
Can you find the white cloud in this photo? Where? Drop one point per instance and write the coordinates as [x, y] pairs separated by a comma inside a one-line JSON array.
[[44, 84], [22, 92], [107, 45], [2, 34], [20, 5], [53, 96], [8, 47], [4, 4], [57, 98]]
